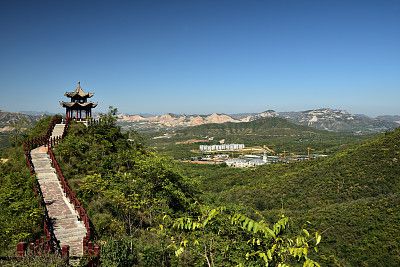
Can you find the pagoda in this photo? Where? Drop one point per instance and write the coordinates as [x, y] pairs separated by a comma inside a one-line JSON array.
[[78, 108]]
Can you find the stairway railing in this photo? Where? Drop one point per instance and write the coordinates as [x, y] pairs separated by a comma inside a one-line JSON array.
[[49, 243], [89, 248]]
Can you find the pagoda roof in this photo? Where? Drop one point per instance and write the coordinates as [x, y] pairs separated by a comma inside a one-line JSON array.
[[78, 92], [77, 104]]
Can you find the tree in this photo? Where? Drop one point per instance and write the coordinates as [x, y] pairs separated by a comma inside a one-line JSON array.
[[110, 117], [258, 243]]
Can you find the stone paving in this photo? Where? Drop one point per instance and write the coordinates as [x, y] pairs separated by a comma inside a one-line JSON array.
[[67, 228]]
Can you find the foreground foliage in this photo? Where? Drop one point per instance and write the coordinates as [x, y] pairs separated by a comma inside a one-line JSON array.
[[261, 244]]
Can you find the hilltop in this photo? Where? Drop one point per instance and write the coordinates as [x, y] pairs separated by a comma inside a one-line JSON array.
[[354, 195]]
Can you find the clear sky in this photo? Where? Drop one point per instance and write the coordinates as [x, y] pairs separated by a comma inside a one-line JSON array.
[[202, 56]]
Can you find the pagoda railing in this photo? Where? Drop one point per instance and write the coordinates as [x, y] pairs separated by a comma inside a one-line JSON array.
[[89, 248], [48, 243]]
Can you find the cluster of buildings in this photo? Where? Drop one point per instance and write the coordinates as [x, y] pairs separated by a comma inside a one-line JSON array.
[[221, 147], [221, 153], [258, 160], [251, 161]]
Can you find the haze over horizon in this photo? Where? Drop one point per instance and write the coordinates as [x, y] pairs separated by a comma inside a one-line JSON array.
[[202, 57]]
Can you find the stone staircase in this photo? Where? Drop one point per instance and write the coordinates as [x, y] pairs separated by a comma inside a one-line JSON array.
[[58, 130], [67, 228]]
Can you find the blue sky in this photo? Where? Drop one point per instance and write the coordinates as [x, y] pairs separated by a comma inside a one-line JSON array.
[[202, 56]]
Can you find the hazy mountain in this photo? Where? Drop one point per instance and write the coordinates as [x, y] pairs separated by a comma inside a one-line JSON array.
[[390, 118], [37, 113], [324, 119], [8, 119], [177, 120], [339, 121]]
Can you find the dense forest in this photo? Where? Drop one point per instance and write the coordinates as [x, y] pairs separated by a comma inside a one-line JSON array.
[[352, 196], [148, 210]]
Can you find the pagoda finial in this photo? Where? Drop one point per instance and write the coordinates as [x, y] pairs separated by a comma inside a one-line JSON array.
[[78, 87]]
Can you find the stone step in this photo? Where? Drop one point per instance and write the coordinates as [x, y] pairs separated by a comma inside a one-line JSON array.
[[42, 168], [40, 160], [49, 181], [39, 156], [45, 170], [67, 233], [42, 164], [71, 240], [67, 228], [66, 216], [39, 151], [60, 221], [68, 223], [76, 243], [46, 176]]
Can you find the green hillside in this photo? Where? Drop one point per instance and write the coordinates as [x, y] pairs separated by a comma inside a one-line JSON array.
[[142, 208], [135, 197], [264, 127], [354, 195]]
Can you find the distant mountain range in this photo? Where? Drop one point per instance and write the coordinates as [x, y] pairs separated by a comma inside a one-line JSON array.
[[8, 119], [323, 119]]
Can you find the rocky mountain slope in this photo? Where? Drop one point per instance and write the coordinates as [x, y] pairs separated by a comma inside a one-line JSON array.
[[339, 121], [9, 119], [324, 119], [391, 118]]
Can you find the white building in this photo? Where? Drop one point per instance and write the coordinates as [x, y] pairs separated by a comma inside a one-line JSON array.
[[247, 162], [221, 147], [238, 163]]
